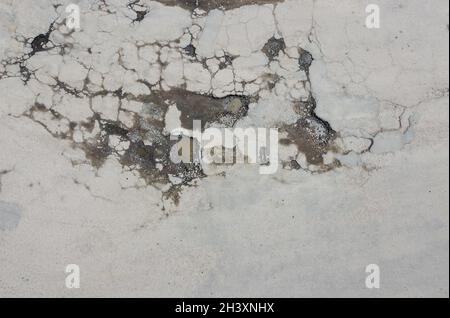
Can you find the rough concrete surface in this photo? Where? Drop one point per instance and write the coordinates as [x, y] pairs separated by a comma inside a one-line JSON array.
[[87, 175]]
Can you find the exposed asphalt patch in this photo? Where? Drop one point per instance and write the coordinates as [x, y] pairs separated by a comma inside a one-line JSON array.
[[273, 47]]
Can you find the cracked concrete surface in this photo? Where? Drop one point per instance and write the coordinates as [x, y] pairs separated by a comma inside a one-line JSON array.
[[86, 177]]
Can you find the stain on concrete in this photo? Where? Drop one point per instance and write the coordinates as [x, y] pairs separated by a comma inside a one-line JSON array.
[[138, 9], [208, 5], [207, 108], [312, 135], [148, 144], [40, 41], [305, 60], [190, 50], [10, 215], [273, 47]]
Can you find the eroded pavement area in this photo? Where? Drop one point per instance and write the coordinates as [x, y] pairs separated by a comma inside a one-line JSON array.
[[87, 177]]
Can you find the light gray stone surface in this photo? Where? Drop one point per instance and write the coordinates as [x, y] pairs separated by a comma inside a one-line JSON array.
[[84, 174]]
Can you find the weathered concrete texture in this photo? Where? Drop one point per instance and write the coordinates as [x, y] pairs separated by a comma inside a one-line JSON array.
[[215, 4], [86, 175]]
